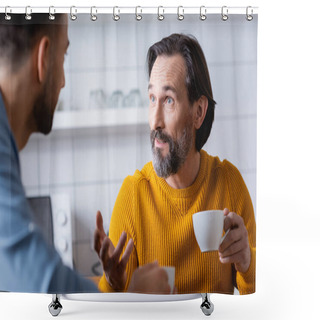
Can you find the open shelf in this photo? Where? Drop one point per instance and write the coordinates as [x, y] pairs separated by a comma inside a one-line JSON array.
[[99, 118]]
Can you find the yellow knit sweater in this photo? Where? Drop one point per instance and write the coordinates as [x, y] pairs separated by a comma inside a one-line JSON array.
[[159, 220]]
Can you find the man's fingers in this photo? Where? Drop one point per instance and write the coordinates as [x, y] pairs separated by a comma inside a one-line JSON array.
[[99, 233], [127, 253], [232, 220], [233, 236], [97, 241], [99, 220], [235, 247], [110, 256], [104, 251], [150, 278], [117, 252], [240, 259], [232, 249], [99, 223], [235, 258]]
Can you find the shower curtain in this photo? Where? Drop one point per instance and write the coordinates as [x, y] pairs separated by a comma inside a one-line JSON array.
[[101, 135]]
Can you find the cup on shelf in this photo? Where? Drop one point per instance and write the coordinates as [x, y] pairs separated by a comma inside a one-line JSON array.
[[97, 99], [116, 99], [132, 99]]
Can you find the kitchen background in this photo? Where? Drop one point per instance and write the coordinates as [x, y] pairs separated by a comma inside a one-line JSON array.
[[100, 133]]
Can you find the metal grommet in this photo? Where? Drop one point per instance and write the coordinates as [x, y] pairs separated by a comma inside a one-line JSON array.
[[224, 13], [249, 16], [203, 12], [138, 16], [52, 11], [180, 15], [160, 16], [73, 11], [93, 16], [7, 10], [28, 13], [115, 17]]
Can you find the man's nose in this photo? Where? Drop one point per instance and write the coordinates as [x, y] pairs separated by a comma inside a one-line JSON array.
[[156, 117]]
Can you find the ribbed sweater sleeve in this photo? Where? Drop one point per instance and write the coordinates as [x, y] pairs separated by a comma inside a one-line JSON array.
[[242, 205]]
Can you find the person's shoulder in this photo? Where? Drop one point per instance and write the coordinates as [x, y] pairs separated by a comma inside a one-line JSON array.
[[214, 162], [140, 176], [227, 165]]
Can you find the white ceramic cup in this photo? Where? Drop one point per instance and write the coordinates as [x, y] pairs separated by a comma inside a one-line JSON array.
[[171, 276], [208, 229]]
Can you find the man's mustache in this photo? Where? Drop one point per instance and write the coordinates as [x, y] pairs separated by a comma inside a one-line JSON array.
[[160, 136]]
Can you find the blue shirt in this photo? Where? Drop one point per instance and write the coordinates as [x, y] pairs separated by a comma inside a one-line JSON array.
[[27, 262]]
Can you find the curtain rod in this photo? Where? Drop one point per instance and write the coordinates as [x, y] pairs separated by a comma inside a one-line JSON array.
[[139, 10]]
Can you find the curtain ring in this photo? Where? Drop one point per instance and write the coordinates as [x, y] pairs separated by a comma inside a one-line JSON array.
[[52, 11], [73, 11], [93, 16], [160, 16], [7, 10], [249, 17], [203, 12], [224, 13], [28, 13], [180, 15], [115, 17], [138, 16]]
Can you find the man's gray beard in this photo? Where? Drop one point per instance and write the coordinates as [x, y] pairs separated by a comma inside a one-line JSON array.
[[178, 152]]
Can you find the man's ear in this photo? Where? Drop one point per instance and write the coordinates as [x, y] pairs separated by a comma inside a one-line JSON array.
[[43, 58], [201, 106]]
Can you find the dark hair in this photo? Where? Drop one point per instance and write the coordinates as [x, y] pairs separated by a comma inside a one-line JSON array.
[[18, 35], [197, 79]]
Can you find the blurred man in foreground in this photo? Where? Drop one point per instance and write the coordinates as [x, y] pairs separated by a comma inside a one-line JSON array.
[[31, 77]]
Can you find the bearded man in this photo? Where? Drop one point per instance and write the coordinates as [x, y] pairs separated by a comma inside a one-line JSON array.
[[152, 216]]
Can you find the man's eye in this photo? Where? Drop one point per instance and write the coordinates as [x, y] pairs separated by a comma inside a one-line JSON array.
[[169, 100], [152, 99]]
